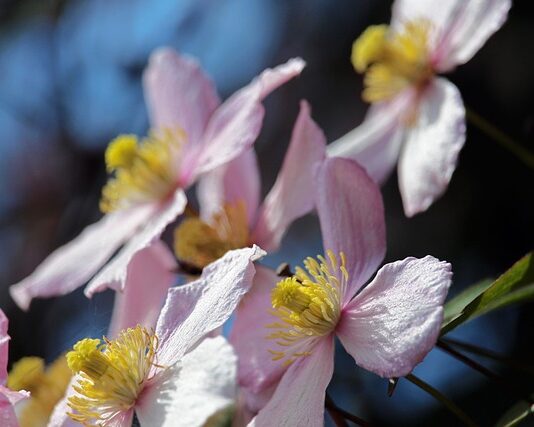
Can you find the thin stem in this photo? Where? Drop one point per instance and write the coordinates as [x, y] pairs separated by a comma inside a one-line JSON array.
[[451, 406], [339, 415], [483, 370], [490, 354], [500, 137]]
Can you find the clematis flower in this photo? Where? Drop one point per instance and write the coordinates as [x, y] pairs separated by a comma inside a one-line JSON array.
[[192, 133], [176, 375], [284, 329], [8, 397], [230, 213], [417, 118]]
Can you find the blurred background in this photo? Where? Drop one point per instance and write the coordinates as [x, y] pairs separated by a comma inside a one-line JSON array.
[[70, 82]]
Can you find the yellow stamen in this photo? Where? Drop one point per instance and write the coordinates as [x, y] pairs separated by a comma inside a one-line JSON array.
[[111, 374], [144, 170], [47, 387], [308, 303], [392, 61], [199, 243]]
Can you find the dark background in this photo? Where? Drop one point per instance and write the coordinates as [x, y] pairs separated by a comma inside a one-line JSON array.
[[70, 81]]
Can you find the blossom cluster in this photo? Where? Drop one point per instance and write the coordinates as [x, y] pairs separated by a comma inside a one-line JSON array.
[[165, 359]]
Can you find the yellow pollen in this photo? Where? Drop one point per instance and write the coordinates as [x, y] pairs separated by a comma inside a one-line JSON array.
[[47, 387], [199, 243], [308, 304], [143, 171], [111, 375], [392, 61]]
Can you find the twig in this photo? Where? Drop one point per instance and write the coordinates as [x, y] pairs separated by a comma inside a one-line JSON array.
[[490, 354], [500, 137], [451, 406], [483, 370], [339, 415]]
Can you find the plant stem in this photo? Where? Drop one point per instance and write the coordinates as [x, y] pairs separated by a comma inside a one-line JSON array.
[[490, 354], [500, 137], [339, 415], [483, 370], [451, 406]]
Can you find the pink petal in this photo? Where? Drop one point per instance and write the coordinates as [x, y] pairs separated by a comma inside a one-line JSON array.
[[150, 275], [395, 321], [461, 27], [290, 197], [256, 369], [4, 347], [178, 93], [191, 311], [237, 180], [235, 125], [59, 417], [73, 264], [431, 150], [199, 385], [299, 398], [351, 214], [8, 418], [115, 274], [375, 144]]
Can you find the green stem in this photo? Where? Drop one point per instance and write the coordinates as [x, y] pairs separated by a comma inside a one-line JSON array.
[[505, 360], [451, 406], [339, 415], [500, 137]]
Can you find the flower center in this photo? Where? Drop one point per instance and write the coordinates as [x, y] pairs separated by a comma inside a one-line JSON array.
[[308, 303], [199, 243], [47, 387], [143, 170], [393, 61], [111, 374]]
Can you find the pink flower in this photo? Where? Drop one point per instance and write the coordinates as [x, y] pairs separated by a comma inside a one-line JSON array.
[[231, 216], [8, 398], [193, 133], [178, 375], [284, 332], [417, 118]]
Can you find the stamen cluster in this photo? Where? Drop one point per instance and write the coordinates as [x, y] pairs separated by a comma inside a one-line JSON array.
[[111, 375]]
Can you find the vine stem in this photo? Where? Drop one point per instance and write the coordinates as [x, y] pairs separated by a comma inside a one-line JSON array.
[[490, 354], [483, 370], [451, 406], [340, 416], [501, 138]]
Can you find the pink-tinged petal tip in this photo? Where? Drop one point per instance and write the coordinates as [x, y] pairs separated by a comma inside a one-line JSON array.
[[391, 325]]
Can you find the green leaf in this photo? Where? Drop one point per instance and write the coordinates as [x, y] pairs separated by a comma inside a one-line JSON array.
[[514, 286], [516, 414]]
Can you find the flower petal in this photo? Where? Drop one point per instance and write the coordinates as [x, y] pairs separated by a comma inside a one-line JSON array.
[[299, 398], [150, 275], [193, 310], [431, 150], [73, 264], [178, 93], [4, 347], [392, 324], [201, 384], [237, 180], [290, 198], [375, 144], [256, 369], [7, 411], [115, 274], [351, 214], [461, 26], [59, 417], [235, 125]]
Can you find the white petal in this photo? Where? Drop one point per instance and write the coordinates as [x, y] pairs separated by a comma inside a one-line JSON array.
[[202, 383], [115, 274], [432, 145]]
